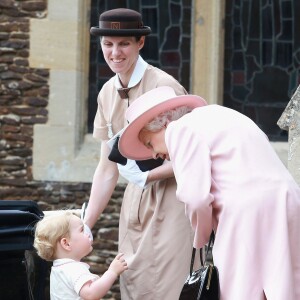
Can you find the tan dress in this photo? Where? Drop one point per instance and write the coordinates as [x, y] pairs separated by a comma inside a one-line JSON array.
[[154, 233]]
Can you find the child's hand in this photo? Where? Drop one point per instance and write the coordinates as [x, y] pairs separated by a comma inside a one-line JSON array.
[[118, 265]]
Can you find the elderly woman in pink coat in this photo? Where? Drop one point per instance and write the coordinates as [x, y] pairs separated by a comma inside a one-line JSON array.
[[232, 181]]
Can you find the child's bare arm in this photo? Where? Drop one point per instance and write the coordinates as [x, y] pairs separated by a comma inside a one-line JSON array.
[[97, 289]]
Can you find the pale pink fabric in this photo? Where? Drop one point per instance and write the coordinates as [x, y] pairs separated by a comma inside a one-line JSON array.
[[231, 179]]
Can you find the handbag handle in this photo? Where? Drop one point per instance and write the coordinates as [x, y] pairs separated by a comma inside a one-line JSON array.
[[210, 246], [208, 251]]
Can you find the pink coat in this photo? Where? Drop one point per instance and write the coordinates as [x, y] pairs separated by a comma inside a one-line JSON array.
[[230, 178]]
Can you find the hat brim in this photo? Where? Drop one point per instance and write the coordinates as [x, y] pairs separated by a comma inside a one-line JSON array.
[[129, 144], [120, 32]]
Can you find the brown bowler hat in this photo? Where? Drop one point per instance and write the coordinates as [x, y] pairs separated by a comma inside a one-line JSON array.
[[120, 22]]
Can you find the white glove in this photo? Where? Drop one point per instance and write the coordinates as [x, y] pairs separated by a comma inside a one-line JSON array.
[[132, 173], [86, 228]]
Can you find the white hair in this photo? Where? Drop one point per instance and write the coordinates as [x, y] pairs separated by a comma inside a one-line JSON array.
[[164, 118]]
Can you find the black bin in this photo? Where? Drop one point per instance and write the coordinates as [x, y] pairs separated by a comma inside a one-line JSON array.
[[22, 273]]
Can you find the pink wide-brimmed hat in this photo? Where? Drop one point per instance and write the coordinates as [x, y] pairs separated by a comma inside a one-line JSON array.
[[143, 110]]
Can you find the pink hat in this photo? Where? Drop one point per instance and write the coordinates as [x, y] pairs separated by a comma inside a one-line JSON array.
[[143, 110]]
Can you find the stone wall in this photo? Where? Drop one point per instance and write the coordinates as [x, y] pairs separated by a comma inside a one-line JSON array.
[[24, 96]]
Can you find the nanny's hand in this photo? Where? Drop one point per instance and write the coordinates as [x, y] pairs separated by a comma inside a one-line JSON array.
[[132, 173]]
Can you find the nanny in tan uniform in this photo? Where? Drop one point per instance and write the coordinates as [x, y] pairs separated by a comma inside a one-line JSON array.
[[154, 233]]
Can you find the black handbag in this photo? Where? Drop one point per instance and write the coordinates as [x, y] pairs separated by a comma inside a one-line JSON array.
[[202, 284], [144, 165], [115, 154]]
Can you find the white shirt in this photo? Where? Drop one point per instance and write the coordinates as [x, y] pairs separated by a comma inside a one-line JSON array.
[[67, 278]]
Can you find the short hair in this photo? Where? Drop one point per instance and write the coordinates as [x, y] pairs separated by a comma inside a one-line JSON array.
[[168, 116], [50, 230]]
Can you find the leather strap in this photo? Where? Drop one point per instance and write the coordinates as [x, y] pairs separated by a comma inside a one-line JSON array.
[[120, 25], [208, 251]]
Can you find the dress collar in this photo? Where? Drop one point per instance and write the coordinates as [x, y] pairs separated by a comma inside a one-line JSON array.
[[136, 76]]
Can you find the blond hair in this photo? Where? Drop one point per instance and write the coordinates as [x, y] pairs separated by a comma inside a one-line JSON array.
[[49, 231]]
